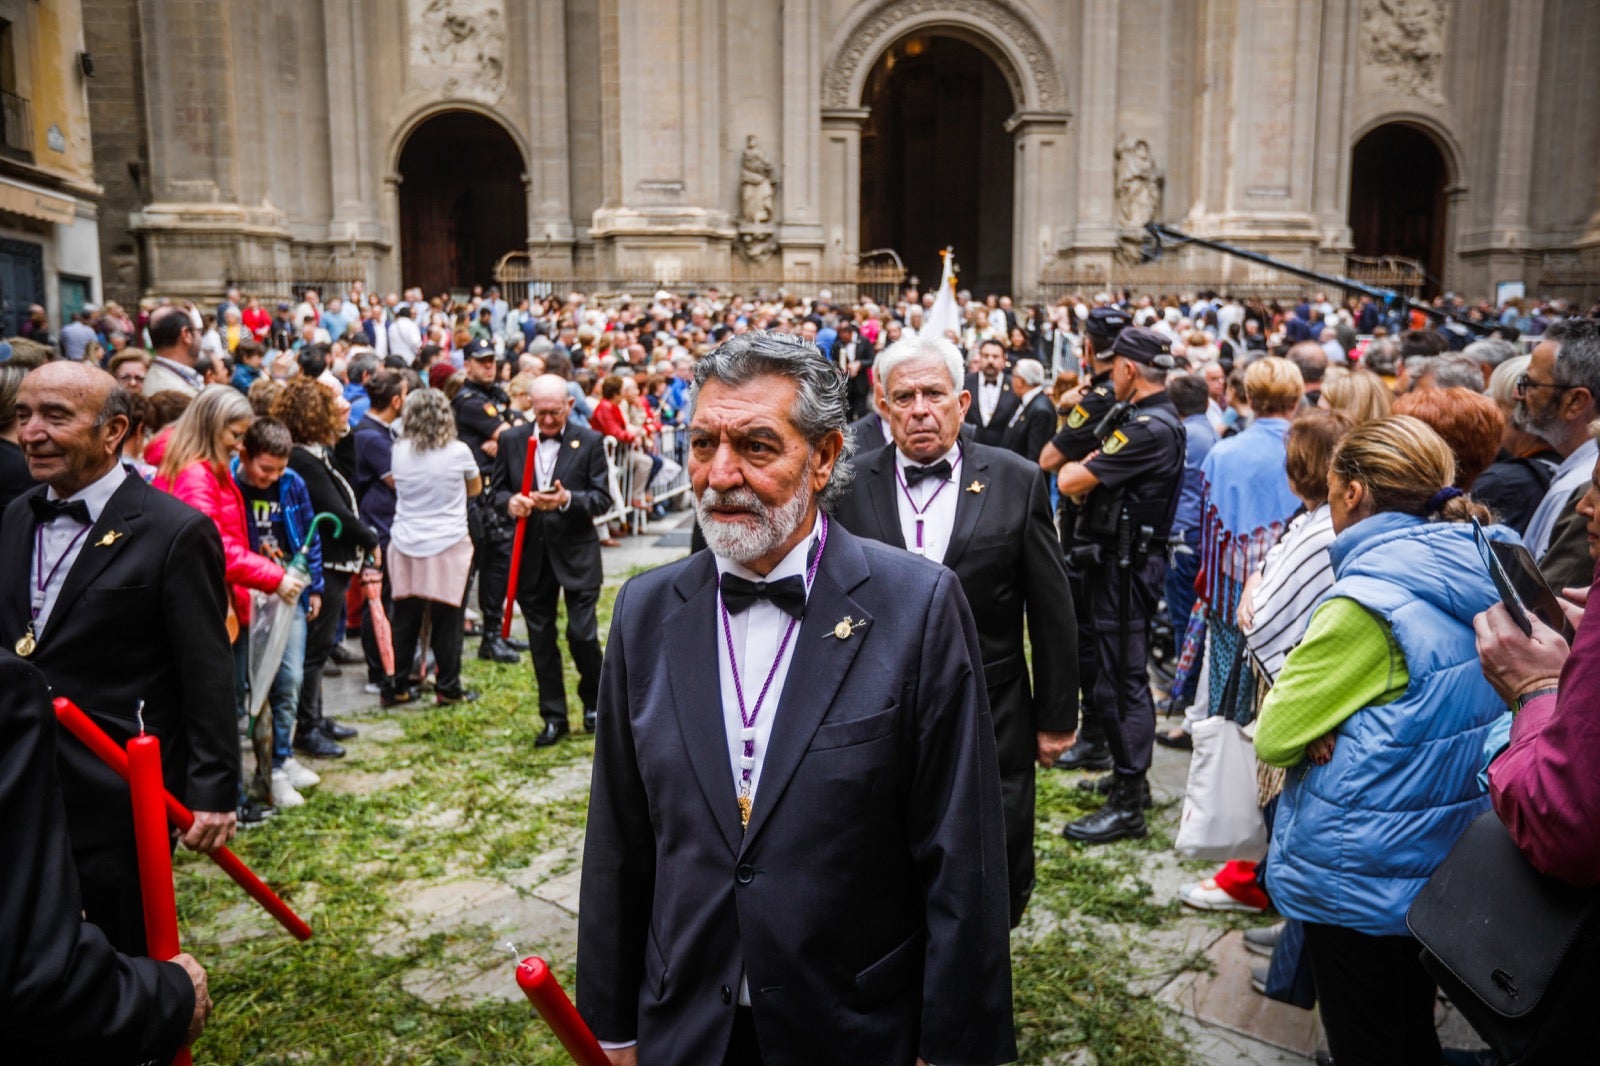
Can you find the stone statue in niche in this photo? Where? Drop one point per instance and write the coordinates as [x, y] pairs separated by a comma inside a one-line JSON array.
[[1406, 39], [1138, 195], [755, 184], [460, 45]]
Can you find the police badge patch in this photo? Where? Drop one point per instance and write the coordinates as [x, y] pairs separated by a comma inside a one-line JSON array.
[[1114, 443], [1077, 417]]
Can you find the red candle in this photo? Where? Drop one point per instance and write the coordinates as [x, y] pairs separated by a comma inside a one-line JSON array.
[[550, 1000], [94, 738], [154, 844], [516, 542]]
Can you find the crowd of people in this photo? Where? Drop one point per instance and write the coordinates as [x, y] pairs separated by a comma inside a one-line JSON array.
[[1286, 492]]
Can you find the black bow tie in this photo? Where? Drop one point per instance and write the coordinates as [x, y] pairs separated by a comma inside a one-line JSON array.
[[543, 437], [939, 471], [49, 510], [992, 382], [788, 594]]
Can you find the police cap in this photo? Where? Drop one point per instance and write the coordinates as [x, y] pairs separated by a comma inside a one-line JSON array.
[[1144, 346], [478, 348], [1106, 322]]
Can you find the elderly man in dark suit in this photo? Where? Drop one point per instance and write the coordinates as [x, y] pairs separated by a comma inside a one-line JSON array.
[[66, 994], [795, 821], [560, 550], [1033, 423], [984, 513], [115, 591], [993, 402]]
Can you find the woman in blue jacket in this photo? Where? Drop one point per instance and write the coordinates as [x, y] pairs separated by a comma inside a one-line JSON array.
[[1380, 715]]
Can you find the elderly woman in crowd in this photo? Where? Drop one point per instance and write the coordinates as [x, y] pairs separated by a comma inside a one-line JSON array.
[[315, 423], [430, 553], [1516, 481], [1380, 714]]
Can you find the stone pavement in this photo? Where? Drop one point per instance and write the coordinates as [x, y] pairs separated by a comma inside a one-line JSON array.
[[1219, 1017]]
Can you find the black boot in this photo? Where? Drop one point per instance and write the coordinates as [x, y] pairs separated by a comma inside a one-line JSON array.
[[1121, 818], [554, 730], [1104, 784], [1086, 753], [496, 650]]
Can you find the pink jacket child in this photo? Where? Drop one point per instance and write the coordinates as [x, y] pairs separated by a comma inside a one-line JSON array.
[[214, 494]]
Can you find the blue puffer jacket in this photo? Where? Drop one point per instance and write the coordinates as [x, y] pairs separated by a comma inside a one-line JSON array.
[[1354, 840]]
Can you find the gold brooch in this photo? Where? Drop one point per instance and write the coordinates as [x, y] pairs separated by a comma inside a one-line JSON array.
[[575, 444], [847, 626], [109, 539], [975, 488]]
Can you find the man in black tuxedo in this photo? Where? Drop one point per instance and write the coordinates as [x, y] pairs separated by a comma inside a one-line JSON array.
[[65, 993], [993, 402], [115, 591], [984, 513], [1033, 423], [795, 819], [560, 550]]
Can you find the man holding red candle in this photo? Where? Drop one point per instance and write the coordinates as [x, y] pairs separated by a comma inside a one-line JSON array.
[[795, 849], [95, 553]]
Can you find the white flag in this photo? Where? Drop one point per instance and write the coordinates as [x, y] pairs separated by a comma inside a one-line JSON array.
[[945, 313]]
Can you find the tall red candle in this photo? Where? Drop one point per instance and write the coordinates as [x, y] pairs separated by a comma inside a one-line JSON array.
[[516, 541], [550, 1000], [154, 843], [74, 721]]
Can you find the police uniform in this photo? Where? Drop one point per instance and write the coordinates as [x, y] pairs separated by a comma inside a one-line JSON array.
[[1127, 519], [1075, 440], [480, 413]]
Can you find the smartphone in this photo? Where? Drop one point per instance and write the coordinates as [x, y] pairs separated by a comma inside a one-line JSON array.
[[1521, 586]]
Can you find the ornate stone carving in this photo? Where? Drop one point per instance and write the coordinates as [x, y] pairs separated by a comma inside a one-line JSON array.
[[755, 244], [755, 184], [1405, 40], [889, 20], [1138, 195], [458, 47]]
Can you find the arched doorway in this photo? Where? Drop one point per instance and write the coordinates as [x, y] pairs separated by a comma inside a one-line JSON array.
[[1397, 197], [462, 201], [937, 162]]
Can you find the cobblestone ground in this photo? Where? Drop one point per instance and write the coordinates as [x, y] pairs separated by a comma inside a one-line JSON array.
[[419, 882]]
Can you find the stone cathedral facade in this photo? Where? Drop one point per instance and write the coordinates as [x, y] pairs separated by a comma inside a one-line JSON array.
[[420, 141]]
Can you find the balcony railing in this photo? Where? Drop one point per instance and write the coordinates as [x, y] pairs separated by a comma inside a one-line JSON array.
[[16, 127]]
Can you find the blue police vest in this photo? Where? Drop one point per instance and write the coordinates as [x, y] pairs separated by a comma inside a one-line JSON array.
[[1354, 840]]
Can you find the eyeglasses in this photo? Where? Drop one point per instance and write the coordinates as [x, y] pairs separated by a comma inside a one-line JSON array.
[[1525, 384]]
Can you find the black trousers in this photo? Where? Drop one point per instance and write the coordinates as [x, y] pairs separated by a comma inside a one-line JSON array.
[[408, 615], [491, 558], [1092, 730], [1121, 681], [369, 642], [108, 877], [538, 603], [320, 638], [1375, 998]]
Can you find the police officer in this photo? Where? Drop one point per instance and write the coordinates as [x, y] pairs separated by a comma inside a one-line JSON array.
[[1129, 489], [480, 409], [1085, 407]]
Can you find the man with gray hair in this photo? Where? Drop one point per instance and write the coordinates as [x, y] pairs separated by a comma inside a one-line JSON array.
[[984, 513], [1033, 423], [1557, 398], [794, 821]]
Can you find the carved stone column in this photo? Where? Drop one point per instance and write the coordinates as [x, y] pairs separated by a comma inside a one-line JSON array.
[[1039, 140], [841, 187]]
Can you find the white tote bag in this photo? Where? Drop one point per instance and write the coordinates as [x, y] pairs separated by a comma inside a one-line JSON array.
[[1220, 818]]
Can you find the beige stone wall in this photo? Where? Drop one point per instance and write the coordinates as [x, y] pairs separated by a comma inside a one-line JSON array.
[[253, 148]]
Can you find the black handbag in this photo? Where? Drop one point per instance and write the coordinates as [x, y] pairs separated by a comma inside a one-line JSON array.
[[1517, 951]]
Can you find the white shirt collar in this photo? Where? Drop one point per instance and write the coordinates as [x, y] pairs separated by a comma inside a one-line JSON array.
[[790, 565], [952, 455], [1028, 396], [97, 493]]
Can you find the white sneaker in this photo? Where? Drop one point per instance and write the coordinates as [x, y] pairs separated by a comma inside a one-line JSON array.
[[299, 776], [283, 793], [371, 688]]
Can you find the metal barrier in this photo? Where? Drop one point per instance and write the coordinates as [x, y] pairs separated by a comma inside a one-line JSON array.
[[634, 491]]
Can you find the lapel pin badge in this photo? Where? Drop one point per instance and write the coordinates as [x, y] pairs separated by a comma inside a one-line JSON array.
[[975, 488], [109, 539], [847, 626], [574, 445]]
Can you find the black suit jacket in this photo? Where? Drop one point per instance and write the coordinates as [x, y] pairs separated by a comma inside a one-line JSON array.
[[1004, 551], [141, 617], [995, 430], [1030, 433], [567, 539], [864, 902], [65, 994]]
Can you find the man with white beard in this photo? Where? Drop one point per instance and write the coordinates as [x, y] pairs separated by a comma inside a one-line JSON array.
[[795, 843]]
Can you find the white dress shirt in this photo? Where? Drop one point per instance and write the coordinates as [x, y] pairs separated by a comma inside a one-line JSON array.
[[938, 518], [1573, 472], [544, 464], [989, 396], [61, 542]]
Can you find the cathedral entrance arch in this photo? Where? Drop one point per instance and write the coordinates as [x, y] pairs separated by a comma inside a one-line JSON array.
[[1398, 200], [463, 201]]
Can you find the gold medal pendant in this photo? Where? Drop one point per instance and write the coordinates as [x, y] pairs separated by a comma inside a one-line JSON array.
[[26, 643], [744, 812]]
